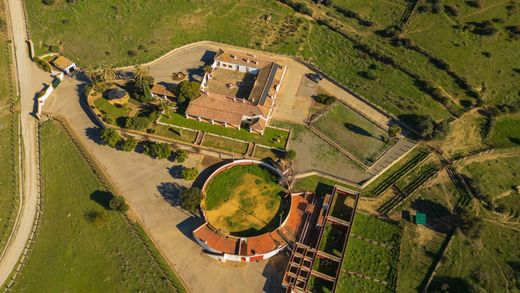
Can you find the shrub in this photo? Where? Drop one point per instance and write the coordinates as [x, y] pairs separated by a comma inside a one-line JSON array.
[[324, 99], [129, 144], [289, 155], [181, 156], [190, 199], [190, 173], [131, 53], [110, 137], [137, 123], [475, 3], [469, 224], [118, 203], [96, 217], [48, 2], [367, 74]]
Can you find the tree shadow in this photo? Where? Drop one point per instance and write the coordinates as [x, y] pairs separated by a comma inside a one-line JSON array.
[[176, 171], [514, 140], [195, 74], [450, 284], [102, 197], [358, 130], [80, 90], [170, 192], [439, 217], [93, 133]]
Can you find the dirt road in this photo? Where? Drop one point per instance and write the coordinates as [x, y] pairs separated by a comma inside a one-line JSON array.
[[30, 81]]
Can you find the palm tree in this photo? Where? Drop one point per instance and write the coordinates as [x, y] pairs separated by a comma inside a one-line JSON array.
[[141, 73], [106, 72], [91, 73]]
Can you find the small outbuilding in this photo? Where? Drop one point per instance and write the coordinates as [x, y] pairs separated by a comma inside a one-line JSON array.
[[64, 64], [162, 91], [117, 96], [420, 218]]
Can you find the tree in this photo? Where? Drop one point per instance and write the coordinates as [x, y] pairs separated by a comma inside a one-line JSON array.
[[158, 150], [141, 74], [440, 129], [188, 90], [190, 199], [106, 72], [181, 156], [190, 173], [137, 123], [110, 137], [324, 99], [129, 144], [118, 203], [208, 69], [394, 130]]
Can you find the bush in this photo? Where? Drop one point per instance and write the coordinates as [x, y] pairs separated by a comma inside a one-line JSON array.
[[289, 155], [188, 90], [128, 145], [451, 10], [48, 2], [157, 150], [181, 156], [137, 123], [190, 173], [469, 224], [118, 203], [367, 74], [110, 137], [190, 199], [324, 99], [96, 217]]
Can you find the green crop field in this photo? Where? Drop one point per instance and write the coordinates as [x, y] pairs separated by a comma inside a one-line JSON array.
[[354, 132], [376, 229], [72, 253]]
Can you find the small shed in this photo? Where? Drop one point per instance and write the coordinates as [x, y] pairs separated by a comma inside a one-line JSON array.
[[420, 218], [117, 95], [162, 91], [64, 64]]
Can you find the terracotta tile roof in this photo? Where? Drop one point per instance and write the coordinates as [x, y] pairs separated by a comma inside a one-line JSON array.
[[242, 58], [161, 89], [62, 62], [216, 241], [260, 244], [221, 108]]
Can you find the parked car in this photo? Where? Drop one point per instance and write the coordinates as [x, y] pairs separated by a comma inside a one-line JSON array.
[[316, 77]]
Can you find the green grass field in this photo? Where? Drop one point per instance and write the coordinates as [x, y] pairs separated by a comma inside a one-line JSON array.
[[495, 177], [272, 137], [175, 133], [229, 145], [350, 283], [354, 132], [376, 229], [8, 137], [71, 253], [506, 132], [112, 113]]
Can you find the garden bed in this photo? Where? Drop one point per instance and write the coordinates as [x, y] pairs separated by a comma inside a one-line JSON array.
[[333, 239]]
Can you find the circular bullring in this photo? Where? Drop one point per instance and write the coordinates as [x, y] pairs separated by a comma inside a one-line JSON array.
[[244, 199]]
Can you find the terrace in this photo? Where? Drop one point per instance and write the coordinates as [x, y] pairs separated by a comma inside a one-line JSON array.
[[231, 83]]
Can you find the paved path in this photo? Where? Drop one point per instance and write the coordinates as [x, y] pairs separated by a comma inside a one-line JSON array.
[[30, 80], [149, 185]]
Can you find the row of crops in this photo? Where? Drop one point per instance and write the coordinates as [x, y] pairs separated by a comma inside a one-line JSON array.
[[396, 173]]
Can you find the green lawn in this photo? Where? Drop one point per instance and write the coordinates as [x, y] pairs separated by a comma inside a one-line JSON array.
[[506, 132], [218, 190], [376, 229], [111, 113], [9, 178], [73, 254], [495, 177], [226, 144], [371, 260], [272, 137], [354, 132], [175, 133], [9, 189], [348, 283]]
